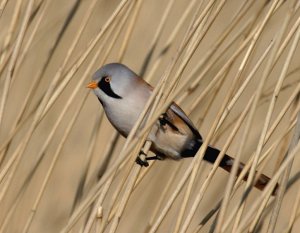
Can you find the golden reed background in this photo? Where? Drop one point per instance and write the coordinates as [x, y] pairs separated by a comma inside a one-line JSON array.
[[56, 144]]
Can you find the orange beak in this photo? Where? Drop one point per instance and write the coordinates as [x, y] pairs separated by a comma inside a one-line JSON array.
[[92, 85]]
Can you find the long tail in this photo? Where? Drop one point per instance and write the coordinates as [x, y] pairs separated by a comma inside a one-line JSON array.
[[211, 156]]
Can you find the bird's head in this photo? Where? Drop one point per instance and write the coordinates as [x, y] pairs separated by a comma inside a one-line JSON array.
[[113, 81]]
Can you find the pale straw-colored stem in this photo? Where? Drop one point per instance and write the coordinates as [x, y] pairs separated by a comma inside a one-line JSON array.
[[132, 23], [126, 194], [170, 40], [136, 169], [294, 215], [283, 183], [45, 4], [5, 51], [239, 180], [2, 6], [248, 124], [215, 166], [116, 32], [268, 190], [192, 179], [276, 143], [46, 103], [52, 165], [268, 115], [212, 50], [14, 57]]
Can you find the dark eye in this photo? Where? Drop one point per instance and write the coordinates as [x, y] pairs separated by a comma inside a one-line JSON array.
[[107, 79]]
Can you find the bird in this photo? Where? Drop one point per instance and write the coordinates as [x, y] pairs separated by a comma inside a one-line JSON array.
[[123, 95]]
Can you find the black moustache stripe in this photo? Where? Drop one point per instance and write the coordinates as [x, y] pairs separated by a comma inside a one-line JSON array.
[[106, 88]]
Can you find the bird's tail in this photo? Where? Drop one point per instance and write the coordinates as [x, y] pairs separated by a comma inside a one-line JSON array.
[[211, 156]]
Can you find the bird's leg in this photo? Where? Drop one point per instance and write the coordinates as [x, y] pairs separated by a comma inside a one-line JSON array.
[[144, 163], [156, 157], [142, 158]]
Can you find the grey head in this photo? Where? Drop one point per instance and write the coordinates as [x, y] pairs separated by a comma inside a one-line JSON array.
[[114, 80], [122, 93]]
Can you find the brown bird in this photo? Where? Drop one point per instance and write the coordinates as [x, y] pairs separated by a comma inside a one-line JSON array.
[[123, 95]]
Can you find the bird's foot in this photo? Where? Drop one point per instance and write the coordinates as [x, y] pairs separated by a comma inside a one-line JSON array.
[[142, 162]]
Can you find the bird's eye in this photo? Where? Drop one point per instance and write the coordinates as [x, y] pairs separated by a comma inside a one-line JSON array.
[[107, 79], [105, 86]]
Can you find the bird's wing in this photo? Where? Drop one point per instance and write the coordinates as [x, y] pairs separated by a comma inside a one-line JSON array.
[[180, 113]]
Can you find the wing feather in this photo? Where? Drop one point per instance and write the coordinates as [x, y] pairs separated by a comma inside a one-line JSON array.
[[180, 113]]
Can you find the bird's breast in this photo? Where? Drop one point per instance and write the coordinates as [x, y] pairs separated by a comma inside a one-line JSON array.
[[123, 114]]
